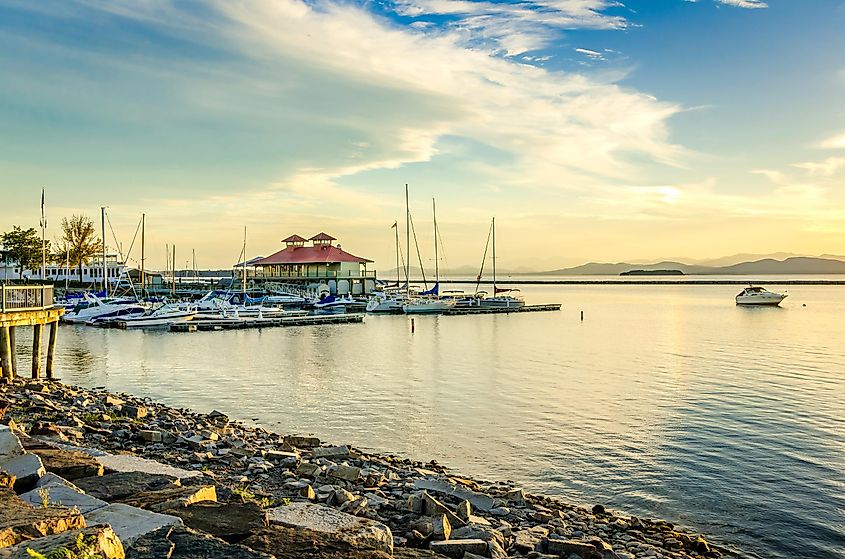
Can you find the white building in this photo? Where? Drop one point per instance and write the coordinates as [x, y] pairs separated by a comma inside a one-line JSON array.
[[92, 272]]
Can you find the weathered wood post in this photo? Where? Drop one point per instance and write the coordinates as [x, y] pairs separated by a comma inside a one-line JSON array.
[[14, 352], [6, 353], [51, 347], [36, 350]]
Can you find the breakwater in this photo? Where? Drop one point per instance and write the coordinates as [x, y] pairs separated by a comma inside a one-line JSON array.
[[268, 494]]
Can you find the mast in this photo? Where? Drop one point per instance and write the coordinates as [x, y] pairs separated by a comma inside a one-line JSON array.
[[494, 257], [398, 272], [436, 259], [407, 244], [244, 267], [105, 269], [143, 270], [194, 258], [173, 264], [67, 266]]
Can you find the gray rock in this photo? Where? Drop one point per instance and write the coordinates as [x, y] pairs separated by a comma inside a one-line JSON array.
[[122, 485], [101, 539], [10, 444], [330, 451], [479, 500], [457, 548], [346, 473], [568, 547], [27, 469], [130, 523], [63, 496]]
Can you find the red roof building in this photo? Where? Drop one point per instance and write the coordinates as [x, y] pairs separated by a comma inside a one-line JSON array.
[[322, 259]]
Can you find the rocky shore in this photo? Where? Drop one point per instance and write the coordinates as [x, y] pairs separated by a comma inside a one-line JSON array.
[[95, 474]]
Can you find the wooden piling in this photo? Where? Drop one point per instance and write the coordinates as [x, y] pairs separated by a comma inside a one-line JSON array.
[[51, 347], [14, 351], [6, 353], [36, 350]]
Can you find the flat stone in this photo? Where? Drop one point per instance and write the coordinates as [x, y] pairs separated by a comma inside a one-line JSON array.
[[173, 497], [346, 473], [433, 507], [231, 522], [302, 442], [62, 496], [361, 532], [130, 523], [27, 469], [20, 521], [122, 485], [572, 547], [127, 463], [99, 541], [52, 480], [309, 469], [330, 451], [134, 412], [526, 541], [69, 464], [151, 436], [298, 543], [10, 444], [457, 548]]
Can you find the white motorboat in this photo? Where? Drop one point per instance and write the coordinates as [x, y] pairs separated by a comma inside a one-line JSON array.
[[752, 295], [169, 313], [333, 304], [93, 310]]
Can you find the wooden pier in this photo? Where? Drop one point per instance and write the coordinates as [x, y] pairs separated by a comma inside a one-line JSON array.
[[501, 310], [27, 305], [239, 324]]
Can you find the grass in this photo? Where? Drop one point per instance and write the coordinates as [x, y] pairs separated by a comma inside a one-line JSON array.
[[83, 548]]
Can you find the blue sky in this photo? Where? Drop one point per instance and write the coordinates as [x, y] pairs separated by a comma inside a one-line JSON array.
[[592, 129]]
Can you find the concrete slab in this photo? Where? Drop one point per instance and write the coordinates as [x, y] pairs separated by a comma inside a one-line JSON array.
[[126, 463], [27, 469], [130, 523], [10, 444], [63, 496], [52, 480], [361, 532]]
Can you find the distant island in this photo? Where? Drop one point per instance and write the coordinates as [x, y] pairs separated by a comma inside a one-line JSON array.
[[652, 273], [765, 266]]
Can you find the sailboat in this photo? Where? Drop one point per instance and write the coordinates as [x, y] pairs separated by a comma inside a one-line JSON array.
[[429, 302], [502, 297], [390, 299]]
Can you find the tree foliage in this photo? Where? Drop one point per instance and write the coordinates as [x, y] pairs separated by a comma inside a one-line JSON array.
[[79, 241], [24, 247]]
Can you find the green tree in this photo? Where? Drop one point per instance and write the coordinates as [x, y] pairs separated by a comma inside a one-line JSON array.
[[79, 241], [24, 247]]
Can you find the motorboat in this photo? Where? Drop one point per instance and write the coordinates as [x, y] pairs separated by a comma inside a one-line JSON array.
[[93, 309], [504, 298], [169, 313], [752, 295], [333, 304]]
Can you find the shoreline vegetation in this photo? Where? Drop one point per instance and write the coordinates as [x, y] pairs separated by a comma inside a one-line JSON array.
[[207, 485]]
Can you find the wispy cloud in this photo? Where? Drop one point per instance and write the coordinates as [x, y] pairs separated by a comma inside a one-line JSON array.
[[749, 4], [834, 142]]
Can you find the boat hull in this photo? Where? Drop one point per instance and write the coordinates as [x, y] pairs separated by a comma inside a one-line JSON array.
[[772, 299]]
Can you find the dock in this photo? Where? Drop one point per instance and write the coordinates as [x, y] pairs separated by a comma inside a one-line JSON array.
[[240, 324], [501, 310], [27, 305]]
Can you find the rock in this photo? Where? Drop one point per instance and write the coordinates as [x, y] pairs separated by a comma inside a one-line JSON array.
[[27, 469], [110, 400], [330, 451], [36, 387], [172, 497], [355, 506], [231, 522], [288, 543], [302, 442], [308, 492], [479, 500], [122, 485], [99, 541], [516, 496], [20, 521], [68, 464], [10, 444], [441, 527], [476, 532], [130, 523], [320, 518], [701, 545], [464, 510], [495, 550], [433, 507], [151, 436], [566, 548], [346, 473], [342, 496], [599, 510], [127, 463], [525, 541], [62, 496], [6, 480], [134, 412], [457, 548], [309, 469]]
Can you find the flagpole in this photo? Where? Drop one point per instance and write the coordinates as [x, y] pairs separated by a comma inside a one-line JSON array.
[[43, 239]]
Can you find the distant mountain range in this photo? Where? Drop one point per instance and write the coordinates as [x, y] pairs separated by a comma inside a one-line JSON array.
[[765, 266]]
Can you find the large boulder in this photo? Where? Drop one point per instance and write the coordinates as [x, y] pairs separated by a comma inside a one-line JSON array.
[[123, 485], [69, 464], [231, 522], [180, 542], [297, 543], [360, 532], [62, 496], [130, 523], [173, 497], [457, 548], [96, 541], [20, 521], [27, 469]]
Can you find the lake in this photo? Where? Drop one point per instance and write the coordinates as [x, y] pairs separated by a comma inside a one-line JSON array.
[[665, 401]]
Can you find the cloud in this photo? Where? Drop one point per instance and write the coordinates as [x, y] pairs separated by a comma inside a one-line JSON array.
[[749, 4], [825, 168], [834, 142]]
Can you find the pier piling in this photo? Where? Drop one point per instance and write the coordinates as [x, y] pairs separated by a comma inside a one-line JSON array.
[[6, 353], [36, 350], [51, 348]]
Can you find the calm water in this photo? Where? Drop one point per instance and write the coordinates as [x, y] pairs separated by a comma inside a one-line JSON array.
[[665, 401]]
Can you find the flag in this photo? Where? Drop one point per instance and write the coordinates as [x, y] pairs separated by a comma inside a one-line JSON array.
[[395, 223], [43, 222]]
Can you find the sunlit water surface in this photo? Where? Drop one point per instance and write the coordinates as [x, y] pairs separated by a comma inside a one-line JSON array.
[[666, 401]]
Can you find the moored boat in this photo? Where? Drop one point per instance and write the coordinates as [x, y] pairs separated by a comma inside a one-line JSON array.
[[752, 295]]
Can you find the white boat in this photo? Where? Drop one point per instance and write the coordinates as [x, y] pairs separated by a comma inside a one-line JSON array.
[[507, 299], [93, 310], [333, 304], [386, 302], [752, 295], [169, 313], [502, 297], [428, 305], [260, 311]]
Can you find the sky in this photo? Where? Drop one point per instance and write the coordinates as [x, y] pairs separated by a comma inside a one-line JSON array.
[[593, 130]]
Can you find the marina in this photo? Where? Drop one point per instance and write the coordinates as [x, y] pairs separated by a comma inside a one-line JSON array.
[[313, 320]]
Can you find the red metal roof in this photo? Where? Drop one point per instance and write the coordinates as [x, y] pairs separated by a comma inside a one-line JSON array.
[[322, 237], [323, 254], [294, 239]]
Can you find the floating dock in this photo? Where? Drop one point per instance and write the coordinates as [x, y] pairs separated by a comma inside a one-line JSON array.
[[500, 310], [239, 324]]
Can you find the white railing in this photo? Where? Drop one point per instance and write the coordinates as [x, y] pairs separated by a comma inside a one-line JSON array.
[[25, 297]]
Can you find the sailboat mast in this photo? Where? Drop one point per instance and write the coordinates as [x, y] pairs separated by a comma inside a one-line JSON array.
[[407, 244], [105, 269], [398, 272], [244, 266], [436, 259], [173, 263], [143, 269], [194, 262], [494, 257]]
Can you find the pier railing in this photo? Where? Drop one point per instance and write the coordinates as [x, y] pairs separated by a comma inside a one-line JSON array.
[[15, 298]]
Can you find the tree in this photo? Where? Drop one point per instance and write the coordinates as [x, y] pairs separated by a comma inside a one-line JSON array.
[[79, 241], [24, 247]]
